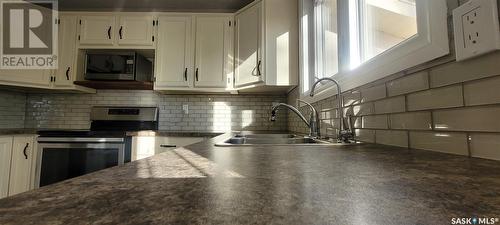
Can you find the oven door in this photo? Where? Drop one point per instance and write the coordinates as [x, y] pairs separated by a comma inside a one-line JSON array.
[[61, 161]]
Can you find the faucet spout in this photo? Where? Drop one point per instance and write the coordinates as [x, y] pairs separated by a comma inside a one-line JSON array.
[[296, 111], [343, 135]]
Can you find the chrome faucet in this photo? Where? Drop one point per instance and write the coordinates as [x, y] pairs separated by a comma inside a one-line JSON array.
[[344, 135], [313, 120], [313, 123]]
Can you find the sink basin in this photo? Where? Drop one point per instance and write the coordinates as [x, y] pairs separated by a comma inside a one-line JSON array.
[[273, 139], [266, 136]]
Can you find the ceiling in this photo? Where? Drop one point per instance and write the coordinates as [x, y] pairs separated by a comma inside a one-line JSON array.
[[153, 5]]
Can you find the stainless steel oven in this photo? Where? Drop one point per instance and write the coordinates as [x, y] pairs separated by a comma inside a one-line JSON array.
[[65, 158], [64, 154]]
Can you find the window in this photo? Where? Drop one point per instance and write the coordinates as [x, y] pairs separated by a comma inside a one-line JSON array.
[[360, 41], [375, 26], [319, 40]]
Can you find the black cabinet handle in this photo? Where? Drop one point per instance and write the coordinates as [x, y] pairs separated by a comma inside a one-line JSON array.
[[120, 32], [109, 32], [67, 73], [24, 151], [258, 68], [196, 74], [168, 146], [186, 74]]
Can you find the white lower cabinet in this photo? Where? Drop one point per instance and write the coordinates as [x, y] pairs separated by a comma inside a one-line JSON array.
[[5, 158], [147, 146], [16, 164]]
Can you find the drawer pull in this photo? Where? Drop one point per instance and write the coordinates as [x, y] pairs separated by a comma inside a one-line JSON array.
[[168, 146]]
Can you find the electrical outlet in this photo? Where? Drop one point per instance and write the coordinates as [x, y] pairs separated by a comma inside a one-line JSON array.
[[471, 28], [185, 108], [476, 28]]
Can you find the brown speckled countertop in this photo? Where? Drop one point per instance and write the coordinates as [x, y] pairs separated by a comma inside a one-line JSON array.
[[204, 184]]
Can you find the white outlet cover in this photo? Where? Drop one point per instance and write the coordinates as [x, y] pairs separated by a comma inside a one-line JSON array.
[[476, 28]]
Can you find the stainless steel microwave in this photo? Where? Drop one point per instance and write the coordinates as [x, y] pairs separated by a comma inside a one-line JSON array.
[[127, 66]]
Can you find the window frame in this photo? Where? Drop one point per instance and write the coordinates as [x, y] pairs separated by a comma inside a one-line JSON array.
[[430, 43]]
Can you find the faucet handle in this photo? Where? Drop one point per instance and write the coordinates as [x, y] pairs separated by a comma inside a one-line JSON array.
[[273, 116]]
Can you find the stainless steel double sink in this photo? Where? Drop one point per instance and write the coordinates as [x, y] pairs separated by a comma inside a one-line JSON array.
[[274, 139]]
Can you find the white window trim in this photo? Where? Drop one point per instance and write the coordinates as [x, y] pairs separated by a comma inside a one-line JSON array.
[[430, 43]]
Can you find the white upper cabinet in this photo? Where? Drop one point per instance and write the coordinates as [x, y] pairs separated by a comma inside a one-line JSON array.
[[266, 45], [21, 164], [213, 51], [135, 30], [174, 52], [97, 30], [248, 46], [26, 78], [66, 72], [194, 52], [116, 30], [5, 157]]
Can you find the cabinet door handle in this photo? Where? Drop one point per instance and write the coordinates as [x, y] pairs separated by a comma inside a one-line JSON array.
[[196, 74], [120, 32], [67, 73], [25, 149], [186, 74], [258, 68], [109, 32], [168, 146]]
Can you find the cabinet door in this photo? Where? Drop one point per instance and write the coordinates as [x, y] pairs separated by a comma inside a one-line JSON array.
[[5, 157], [20, 172], [174, 52], [213, 43], [97, 30], [144, 147], [248, 44], [66, 72], [135, 30], [26, 78], [163, 144]]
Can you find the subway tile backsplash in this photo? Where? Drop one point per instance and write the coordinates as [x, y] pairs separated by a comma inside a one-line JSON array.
[[445, 97], [458, 113], [206, 112], [441, 105], [12, 110]]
